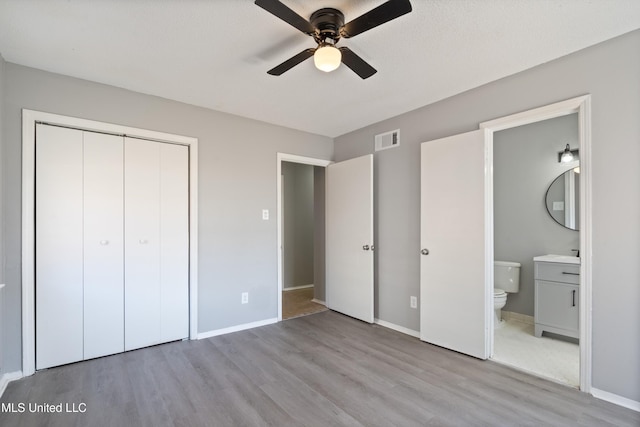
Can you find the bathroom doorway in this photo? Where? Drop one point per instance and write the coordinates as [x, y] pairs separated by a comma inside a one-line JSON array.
[[536, 214], [301, 266], [575, 267]]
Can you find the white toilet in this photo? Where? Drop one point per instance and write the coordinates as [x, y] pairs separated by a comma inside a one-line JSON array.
[[506, 279]]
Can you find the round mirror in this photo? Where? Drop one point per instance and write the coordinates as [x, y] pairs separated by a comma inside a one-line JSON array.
[[563, 199]]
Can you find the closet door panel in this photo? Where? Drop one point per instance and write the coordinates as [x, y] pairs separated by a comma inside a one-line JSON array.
[[174, 241], [59, 251], [142, 243], [103, 245]]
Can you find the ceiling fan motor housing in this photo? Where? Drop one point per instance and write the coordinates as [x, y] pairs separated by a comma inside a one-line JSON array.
[[327, 22]]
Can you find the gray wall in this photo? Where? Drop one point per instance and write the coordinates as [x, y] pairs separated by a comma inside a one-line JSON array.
[[525, 164], [609, 71], [319, 230], [237, 179], [3, 320], [298, 231]]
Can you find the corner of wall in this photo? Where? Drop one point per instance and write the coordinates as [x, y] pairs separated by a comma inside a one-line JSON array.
[[5, 379]]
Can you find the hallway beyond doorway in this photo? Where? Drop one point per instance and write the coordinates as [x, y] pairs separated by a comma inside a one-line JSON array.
[[299, 302]]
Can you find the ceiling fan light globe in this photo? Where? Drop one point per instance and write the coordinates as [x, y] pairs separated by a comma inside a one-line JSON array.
[[327, 58]]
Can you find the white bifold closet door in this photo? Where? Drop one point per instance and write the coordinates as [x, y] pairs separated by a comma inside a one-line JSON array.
[[112, 244], [156, 243]]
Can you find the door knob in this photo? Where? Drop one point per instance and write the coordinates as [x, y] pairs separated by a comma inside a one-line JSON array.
[[104, 242], [365, 247], [425, 251]]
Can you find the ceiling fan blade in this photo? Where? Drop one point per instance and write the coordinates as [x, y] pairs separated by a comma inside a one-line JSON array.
[[357, 64], [287, 15], [378, 16], [291, 62]]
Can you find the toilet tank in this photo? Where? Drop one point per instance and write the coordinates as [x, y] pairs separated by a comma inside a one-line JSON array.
[[506, 276]]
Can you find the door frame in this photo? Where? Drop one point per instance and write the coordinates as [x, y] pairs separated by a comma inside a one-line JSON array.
[[29, 120], [292, 158], [582, 106]]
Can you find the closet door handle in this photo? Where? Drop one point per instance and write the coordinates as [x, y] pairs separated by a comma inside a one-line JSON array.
[[573, 298], [573, 274], [104, 242], [143, 241]]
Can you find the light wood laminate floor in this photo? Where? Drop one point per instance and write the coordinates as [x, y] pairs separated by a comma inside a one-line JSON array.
[[318, 370]]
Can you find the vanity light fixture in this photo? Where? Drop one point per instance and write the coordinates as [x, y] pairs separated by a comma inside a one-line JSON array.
[[568, 155]]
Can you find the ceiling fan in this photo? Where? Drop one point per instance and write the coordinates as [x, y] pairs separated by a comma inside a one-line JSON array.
[[327, 26]]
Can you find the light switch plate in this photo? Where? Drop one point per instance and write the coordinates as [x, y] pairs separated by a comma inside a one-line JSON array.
[[558, 206]]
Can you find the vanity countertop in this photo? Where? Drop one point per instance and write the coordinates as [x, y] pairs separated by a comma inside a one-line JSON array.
[[565, 259]]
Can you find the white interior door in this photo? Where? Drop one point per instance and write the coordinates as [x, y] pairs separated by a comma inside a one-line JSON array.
[[59, 207], [453, 278], [103, 245], [349, 237]]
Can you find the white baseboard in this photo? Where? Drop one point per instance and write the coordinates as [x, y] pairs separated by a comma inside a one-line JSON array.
[[512, 315], [237, 328], [293, 288], [398, 328], [615, 399], [6, 378], [317, 301]]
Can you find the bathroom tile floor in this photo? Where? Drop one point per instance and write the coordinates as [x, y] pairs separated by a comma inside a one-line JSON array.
[[516, 345]]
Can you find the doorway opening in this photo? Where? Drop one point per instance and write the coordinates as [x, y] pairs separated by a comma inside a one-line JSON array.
[[536, 214], [554, 277], [301, 260]]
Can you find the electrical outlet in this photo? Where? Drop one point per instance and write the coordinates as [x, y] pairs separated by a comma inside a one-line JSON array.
[[265, 214], [245, 298], [413, 302]]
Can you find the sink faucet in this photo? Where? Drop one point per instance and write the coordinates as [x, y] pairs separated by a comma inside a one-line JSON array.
[[577, 251]]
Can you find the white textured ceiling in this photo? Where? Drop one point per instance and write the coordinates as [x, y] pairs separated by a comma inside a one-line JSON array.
[[215, 53]]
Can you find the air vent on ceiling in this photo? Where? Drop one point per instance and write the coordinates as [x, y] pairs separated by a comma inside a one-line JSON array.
[[387, 140]]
